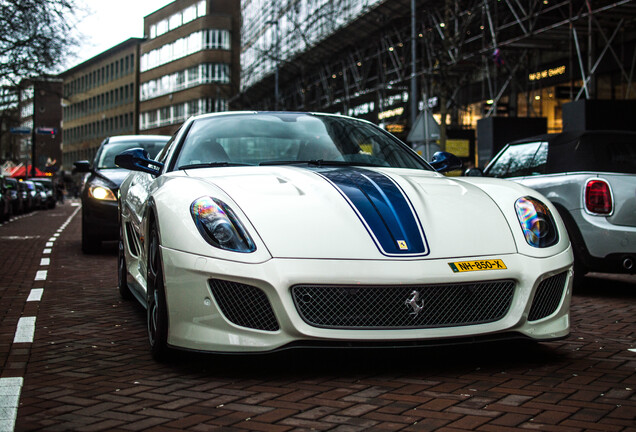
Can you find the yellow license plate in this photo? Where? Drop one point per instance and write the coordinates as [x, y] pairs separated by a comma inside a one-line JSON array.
[[465, 266]]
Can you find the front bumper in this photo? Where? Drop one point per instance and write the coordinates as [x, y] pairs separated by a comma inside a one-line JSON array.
[[100, 218], [197, 323]]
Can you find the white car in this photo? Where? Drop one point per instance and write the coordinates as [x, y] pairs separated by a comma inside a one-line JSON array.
[[254, 232], [590, 177]]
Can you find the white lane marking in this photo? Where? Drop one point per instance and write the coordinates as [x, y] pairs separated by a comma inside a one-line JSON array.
[[45, 261], [35, 294], [25, 330], [10, 389], [49, 244], [75, 204], [52, 239], [19, 237]]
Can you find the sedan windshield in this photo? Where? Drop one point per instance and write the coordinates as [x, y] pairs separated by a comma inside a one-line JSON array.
[[105, 159], [291, 139]]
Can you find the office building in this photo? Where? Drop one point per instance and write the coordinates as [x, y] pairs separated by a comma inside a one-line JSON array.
[[189, 62], [100, 100]]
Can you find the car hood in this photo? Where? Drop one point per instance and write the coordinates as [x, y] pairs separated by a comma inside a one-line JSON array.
[[115, 176], [364, 213]]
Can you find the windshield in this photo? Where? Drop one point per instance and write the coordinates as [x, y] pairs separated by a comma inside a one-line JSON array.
[[105, 158], [290, 138]]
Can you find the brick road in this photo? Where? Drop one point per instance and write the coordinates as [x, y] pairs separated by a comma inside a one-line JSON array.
[[88, 367]]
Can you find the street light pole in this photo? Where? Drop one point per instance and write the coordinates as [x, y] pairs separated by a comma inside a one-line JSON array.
[[413, 68], [33, 136], [276, 57]]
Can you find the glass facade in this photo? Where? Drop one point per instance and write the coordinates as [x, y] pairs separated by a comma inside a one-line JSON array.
[[295, 25]]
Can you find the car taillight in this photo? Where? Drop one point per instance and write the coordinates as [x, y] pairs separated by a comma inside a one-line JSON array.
[[598, 198]]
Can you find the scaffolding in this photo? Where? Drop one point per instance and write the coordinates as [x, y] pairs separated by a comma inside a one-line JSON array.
[[459, 51]]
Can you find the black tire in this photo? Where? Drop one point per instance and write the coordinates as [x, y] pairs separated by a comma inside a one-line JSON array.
[[157, 313], [578, 249], [578, 280], [122, 270]]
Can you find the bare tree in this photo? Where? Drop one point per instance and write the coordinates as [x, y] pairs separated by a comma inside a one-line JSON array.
[[35, 37]]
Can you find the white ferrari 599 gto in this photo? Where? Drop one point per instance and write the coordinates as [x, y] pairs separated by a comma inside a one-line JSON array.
[[254, 232]]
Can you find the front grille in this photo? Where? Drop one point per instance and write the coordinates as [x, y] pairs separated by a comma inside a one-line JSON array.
[[547, 297], [386, 307], [244, 305]]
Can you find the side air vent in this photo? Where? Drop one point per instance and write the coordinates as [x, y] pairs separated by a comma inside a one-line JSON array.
[[244, 305], [547, 297], [133, 244]]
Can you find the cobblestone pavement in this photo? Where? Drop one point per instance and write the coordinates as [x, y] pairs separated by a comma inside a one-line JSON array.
[[88, 366]]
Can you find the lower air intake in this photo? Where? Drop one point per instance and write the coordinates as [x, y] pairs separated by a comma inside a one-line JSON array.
[[244, 305], [547, 297]]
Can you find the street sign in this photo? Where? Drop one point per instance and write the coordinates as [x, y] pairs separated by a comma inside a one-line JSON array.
[[45, 131], [20, 130]]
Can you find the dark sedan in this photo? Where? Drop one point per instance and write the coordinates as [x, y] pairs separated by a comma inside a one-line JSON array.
[[101, 184]]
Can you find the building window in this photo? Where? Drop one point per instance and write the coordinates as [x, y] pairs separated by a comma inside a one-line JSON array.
[[201, 74], [178, 19], [201, 40], [176, 114]]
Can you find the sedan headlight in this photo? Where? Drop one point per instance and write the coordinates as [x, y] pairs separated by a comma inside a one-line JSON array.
[[219, 226], [536, 222], [101, 193]]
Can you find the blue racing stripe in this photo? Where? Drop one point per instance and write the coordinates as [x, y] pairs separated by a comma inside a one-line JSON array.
[[383, 207]]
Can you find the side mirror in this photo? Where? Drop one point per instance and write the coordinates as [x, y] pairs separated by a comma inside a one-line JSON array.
[[137, 159], [83, 166], [444, 161], [474, 172]]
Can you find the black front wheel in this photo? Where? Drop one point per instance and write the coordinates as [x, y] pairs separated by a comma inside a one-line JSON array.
[[157, 314]]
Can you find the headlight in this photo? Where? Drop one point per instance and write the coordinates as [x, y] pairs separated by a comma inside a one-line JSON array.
[[536, 222], [101, 193], [219, 226]]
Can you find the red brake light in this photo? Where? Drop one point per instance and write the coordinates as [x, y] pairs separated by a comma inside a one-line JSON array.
[[598, 198]]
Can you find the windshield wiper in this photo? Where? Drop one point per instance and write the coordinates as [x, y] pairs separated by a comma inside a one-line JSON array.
[[319, 163], [212, 165]]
